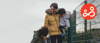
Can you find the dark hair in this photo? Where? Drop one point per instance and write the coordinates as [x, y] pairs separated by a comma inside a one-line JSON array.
[[43, 31], [61, 11], [55, 5]]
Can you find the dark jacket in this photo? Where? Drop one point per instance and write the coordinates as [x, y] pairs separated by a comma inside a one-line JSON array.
[[37, 39]]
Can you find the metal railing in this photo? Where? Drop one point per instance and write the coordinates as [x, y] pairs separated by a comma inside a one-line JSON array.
[[81, 30], [65, 40]]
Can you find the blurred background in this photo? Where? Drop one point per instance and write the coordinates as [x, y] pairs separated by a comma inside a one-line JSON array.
[[20, 18]]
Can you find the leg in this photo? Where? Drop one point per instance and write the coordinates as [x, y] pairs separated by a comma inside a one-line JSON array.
[[59, 39], [53, 39], [60, 27]]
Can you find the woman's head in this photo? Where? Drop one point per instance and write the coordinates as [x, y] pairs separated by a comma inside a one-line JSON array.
[[53, 7], [43, 31], [61, 11]]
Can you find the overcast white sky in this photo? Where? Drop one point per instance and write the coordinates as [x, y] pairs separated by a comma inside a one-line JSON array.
[[19, 18]]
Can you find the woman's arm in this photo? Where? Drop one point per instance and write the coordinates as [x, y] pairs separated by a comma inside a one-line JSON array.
[[46, 23]]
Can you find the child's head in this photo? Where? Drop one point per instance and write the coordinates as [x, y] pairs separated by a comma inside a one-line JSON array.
[[43, 31], [61, 11]]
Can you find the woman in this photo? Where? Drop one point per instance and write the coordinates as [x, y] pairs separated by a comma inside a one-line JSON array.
[[52, 21]]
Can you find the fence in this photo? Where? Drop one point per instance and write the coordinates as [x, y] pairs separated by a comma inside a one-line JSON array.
[[66, 34], [82, 30]]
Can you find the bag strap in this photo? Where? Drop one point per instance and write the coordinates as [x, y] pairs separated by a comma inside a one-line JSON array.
[[57, 24]]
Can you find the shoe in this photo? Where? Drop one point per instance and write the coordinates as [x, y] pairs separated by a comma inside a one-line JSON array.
[[63, 37], [62, 34]]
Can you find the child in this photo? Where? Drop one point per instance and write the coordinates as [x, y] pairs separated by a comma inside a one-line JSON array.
[[39, 35], [64, 19]]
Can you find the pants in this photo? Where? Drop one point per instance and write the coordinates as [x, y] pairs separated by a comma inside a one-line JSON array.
[[58, 37], [60, 27]]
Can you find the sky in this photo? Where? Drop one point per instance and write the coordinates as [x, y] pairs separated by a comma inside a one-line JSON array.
[[20, 18]]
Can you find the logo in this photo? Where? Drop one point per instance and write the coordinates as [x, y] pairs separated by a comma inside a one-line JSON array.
[[88, 11]]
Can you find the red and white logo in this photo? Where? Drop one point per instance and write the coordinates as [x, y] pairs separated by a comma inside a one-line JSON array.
[[88, 11]]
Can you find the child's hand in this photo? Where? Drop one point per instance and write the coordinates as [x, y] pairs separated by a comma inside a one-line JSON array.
[[64, 26], [67, 27]]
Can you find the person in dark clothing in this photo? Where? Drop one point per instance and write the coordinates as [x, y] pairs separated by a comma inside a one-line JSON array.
[[39, 35]]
